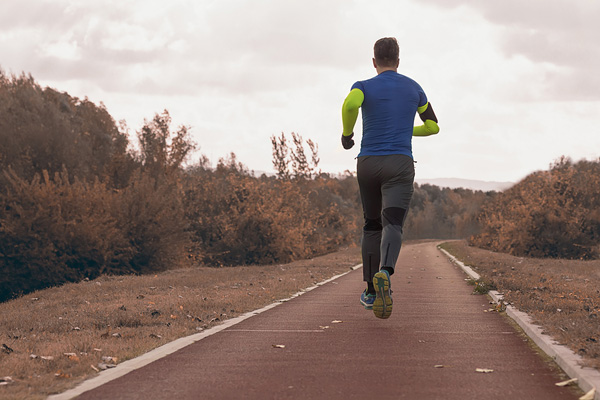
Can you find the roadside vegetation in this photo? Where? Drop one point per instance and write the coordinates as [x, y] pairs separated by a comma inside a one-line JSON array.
[[78, 200], [554, 213], [444, 213]]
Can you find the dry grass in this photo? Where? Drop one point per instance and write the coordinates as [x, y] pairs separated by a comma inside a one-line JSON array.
[[71, 328], [562, 296]]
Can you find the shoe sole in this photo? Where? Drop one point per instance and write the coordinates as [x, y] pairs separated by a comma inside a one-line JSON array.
[[382, 306]]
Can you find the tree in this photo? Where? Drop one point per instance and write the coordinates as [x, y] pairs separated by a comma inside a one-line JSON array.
[[280, 156], [314, 152], [162, 151], [43, 129], [300, 166], [284, 157]]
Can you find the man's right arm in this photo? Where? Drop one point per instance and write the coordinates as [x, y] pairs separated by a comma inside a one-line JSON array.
[[349, 115], [350, 110], [430, 126]]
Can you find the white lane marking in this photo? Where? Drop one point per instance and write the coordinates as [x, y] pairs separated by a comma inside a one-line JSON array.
[[275, 330], [468, 270]]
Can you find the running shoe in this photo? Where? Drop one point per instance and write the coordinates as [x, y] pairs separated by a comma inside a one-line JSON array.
[[367, 299], [382, 306]]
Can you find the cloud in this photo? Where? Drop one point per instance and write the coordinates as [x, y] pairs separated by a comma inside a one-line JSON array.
[[239, 71], [285, 33], [177, 47], [556, 34]]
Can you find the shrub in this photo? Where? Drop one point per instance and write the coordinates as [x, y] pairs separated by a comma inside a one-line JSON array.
[[152, 218], [444, 213], [237, 218], [52, 231], [551, 213]]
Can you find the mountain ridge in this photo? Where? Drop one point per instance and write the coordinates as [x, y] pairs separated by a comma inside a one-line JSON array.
[[473, 184]]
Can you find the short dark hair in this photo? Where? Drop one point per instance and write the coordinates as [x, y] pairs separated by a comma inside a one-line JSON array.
[[387, 52]]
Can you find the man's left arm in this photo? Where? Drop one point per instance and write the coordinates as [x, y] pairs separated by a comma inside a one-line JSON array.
[[430, 126]]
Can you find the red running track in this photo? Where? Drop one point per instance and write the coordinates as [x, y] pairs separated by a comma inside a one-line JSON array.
[[436, 321]]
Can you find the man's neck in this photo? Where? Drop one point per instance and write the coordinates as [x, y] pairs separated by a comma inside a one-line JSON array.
[[384, 69], [381, 69]]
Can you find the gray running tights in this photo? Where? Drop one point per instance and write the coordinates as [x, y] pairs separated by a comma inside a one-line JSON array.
[[386, 187]]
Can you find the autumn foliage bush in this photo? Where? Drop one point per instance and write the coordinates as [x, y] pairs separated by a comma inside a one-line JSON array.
[[76, 201], [444, 213], [53, 230], [237, 218], [554, 213]]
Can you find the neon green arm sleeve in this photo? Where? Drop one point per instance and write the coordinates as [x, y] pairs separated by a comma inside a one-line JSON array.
[[429, 127], [350, 110]]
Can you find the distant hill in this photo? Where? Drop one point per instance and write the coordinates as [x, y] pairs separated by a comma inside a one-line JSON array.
[[454, 183]]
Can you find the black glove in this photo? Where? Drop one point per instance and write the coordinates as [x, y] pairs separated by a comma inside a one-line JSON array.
[[347, 141]]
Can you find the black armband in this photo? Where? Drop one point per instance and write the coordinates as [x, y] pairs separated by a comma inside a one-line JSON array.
[[428, 114]]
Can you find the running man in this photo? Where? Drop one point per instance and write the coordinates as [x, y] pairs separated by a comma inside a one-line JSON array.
[[385, 167]]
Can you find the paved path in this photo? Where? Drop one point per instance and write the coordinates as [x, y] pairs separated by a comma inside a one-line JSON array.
[[436, 321]]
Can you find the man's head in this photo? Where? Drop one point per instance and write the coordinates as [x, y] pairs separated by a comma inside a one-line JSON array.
[[387, 53]]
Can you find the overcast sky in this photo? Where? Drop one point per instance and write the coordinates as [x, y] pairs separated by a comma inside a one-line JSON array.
[[514, 83]]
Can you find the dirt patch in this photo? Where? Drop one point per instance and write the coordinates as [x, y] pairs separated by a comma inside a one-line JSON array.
[[562, 296], [52, 339]]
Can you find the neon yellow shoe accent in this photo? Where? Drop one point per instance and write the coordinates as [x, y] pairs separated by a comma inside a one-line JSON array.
[[382, 306]]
